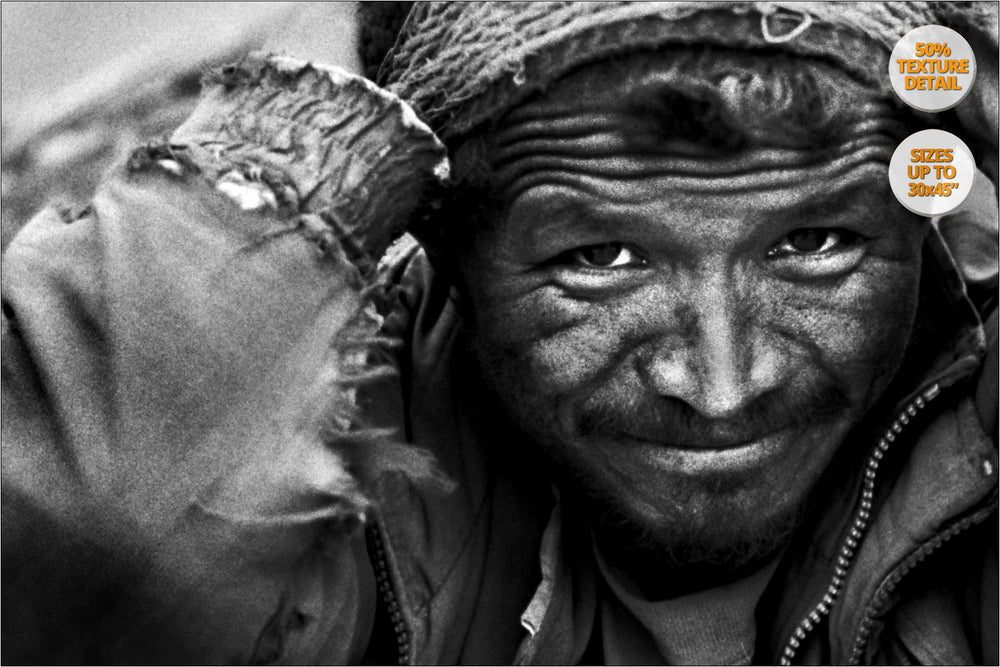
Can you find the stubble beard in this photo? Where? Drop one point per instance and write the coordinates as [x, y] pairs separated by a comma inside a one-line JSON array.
[[676, 551], [715, 548]]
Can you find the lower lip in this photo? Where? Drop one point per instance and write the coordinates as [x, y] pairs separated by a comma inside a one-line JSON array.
[[745, 456]]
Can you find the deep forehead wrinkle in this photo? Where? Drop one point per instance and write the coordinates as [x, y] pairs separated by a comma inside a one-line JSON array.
[[775, 191]]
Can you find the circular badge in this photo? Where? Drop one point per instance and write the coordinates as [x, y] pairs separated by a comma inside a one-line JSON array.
[[931, 172], [932, 68]]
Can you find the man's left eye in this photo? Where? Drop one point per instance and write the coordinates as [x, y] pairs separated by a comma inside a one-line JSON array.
[[814, 241], [606, 256]]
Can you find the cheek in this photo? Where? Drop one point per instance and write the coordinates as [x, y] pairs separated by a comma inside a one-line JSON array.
[[542, 350], [858, 331]]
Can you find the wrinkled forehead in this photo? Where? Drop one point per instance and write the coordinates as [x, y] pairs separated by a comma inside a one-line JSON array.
[[712, 124]]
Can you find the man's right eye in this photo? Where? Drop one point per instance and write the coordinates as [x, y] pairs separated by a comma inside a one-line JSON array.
[[605, 256]]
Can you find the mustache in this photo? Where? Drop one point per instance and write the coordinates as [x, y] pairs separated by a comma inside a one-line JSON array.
[[673, 422]]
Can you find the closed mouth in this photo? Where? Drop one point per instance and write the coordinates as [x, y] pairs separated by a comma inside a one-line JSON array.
[[709, 441], [716, 455]]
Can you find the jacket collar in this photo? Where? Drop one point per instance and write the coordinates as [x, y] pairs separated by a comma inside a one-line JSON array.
[[938, 470]]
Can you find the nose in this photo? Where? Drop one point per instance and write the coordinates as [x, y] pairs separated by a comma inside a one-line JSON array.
[[713, 353]]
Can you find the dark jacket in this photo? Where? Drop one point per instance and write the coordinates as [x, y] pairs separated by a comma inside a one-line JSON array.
[[200, 406]]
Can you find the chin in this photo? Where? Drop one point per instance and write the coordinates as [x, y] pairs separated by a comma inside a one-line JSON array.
[[692, 527], [723, 508]]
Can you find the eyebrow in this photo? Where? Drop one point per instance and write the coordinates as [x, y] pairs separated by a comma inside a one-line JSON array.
[[557, 215], [857, 199], [553, 214]]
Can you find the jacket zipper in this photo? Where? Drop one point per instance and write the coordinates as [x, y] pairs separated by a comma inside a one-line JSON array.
[[868, 623], [383, 584], [859, 525]]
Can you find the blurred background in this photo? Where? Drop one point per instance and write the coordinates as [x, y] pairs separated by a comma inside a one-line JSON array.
[[85, 82]]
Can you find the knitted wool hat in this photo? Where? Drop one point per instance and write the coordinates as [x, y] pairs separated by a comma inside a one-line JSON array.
[[460, 64]]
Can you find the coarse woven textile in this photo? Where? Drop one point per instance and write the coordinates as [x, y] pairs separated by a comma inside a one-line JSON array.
[[460, 64]]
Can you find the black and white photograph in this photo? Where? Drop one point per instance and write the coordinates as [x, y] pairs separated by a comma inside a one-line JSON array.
[[537, 333]]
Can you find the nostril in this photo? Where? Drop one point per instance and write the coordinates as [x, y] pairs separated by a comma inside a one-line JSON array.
[[716, 378], [667, 373]]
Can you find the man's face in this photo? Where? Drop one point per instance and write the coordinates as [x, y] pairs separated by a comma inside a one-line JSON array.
[[689, 332]]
